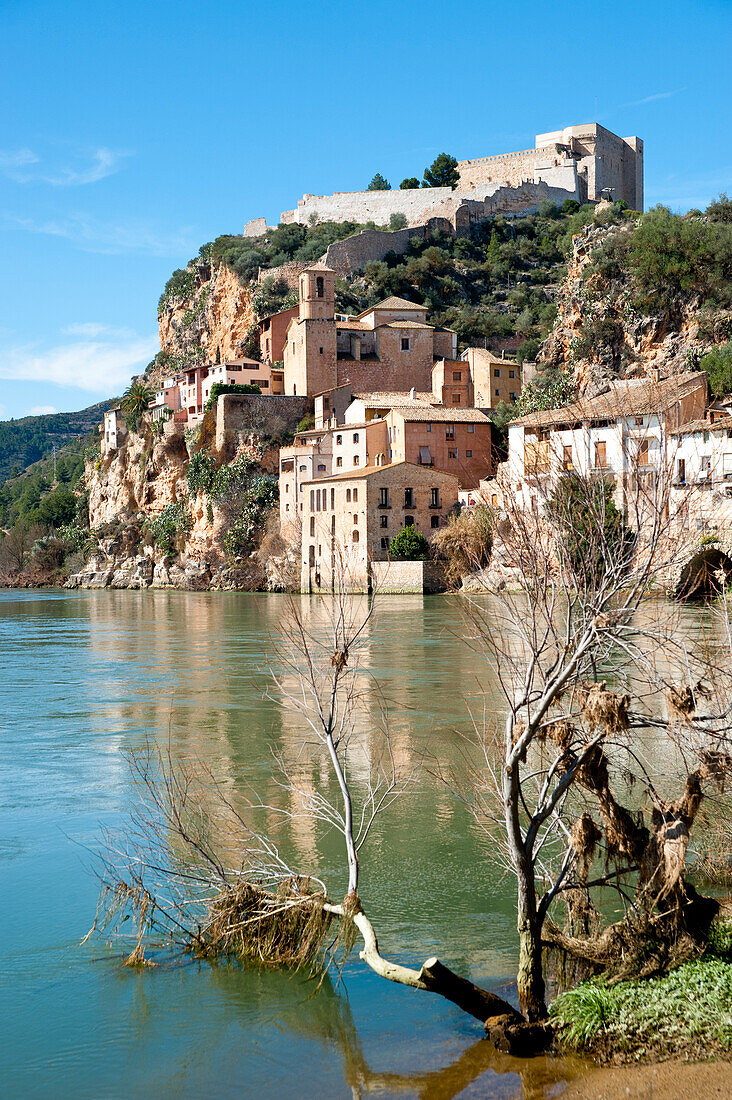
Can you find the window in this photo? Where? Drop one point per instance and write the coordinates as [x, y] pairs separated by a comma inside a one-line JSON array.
[[355, 518], [643, 452], [355, 437], [321, 351], [355, 494], [496, 372], [409, 521], [409, 498], [457, 376], [600, 454], [405, 343], [383, 498], [639, 421], [293, 345], [312, 527], [494, 500], [512, 395], [471, 428], [332, 499], [354, 536], [311, 556], [428, 427], [512, 374], [321, 467], [434, 498], [706, 465], [567, 459], [456, 399], [287, 507], [452, 453], [339, 461], [498, 392], [681, 478], [450, 431], [348, 496], [434, 521], [326, 402], [317, 500], [339, 440], [320, 288], [356, 460], [468, 454], [384, 521], [312, 500], [385, 542]]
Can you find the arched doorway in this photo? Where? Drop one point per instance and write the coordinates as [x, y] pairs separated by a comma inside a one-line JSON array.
[[703, 577]]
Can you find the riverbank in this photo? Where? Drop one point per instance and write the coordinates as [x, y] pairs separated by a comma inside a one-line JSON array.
[[661, 1081]]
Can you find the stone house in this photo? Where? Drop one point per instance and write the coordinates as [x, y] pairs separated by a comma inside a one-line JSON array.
[[167, 400], [701, 490], [113, 429], [386, 347], [196, 383], [273, 334], [623, 433], [349, 519], [458, 441]]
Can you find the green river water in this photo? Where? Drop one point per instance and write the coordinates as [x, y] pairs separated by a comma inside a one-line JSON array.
[[87, 675]]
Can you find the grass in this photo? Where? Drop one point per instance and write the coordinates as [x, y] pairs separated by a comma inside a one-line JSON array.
[[687, 1011]]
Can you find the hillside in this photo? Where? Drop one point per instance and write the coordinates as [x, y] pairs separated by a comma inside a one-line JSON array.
[[25, 441], [497, 287]]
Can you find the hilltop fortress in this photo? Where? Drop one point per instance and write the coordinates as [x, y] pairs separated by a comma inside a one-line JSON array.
[[585, 162]]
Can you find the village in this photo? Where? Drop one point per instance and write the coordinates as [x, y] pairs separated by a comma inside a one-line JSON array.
[[404, 435]]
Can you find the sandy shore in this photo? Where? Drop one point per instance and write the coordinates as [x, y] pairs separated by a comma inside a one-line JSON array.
[[664, 1081]]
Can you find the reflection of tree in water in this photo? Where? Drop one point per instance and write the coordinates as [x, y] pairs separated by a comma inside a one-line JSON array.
[[326, 1017]]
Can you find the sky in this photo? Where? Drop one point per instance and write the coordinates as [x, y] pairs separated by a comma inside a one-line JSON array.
[[134, 132]]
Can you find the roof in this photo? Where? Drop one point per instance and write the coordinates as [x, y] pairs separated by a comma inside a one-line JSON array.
[[439, 413], [394, 303], [318, 266], [359, 326], [390, 400], [635, 397], [485, 354], [721, 425], [361, 472], [405, 324]]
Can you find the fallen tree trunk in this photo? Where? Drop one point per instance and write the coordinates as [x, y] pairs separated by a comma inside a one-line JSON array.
[[433, 976]]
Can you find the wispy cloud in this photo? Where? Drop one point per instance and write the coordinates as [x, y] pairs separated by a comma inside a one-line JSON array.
[[26, 166], [99, 366], [40, 410], [92, 329], [92, 235], [650, 99]]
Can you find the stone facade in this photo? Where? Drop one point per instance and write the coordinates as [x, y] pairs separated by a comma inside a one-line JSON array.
[[349, 520], [585, 162], [603, 164], [387, 347], [241, 414]]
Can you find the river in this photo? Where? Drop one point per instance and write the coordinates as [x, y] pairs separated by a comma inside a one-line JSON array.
[[87, 675]]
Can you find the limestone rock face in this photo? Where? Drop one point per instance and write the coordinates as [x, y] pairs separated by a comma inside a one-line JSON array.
[[213, 319], [600, 334], [145, 474]]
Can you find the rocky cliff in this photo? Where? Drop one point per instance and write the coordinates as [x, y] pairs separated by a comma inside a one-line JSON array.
[[208, 321], [606, 329]]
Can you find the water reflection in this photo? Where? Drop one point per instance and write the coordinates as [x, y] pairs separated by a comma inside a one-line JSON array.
[[89, 674]]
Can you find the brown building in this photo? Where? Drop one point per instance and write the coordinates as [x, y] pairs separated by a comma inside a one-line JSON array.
[[273, 333], [387, 347], [457, 441], [349, 519], [493, 379]]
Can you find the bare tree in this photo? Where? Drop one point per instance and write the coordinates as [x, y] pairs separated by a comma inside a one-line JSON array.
[[210, 877], [581, 613]]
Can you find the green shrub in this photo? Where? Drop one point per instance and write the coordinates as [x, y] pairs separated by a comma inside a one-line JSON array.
[[165, 528], [181, 284], [409, 545], [201, 470], [257, 500], [718, 365], [230, 481], [229, 387], [398, 221], [378, 183]]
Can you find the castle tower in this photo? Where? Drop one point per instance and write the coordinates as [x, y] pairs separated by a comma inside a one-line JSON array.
[[317, 293]]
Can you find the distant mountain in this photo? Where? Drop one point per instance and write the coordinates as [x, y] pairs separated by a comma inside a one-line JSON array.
[[31, 438]]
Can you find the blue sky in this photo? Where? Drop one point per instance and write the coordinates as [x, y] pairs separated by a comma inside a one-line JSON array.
[[134, 132]]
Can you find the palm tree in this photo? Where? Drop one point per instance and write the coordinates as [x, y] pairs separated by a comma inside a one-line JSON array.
[[135, 403]]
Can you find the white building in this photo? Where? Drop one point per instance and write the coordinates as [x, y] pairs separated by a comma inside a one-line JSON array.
[[625, 432]]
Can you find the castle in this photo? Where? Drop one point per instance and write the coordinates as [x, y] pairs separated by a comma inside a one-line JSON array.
[[585, 162]]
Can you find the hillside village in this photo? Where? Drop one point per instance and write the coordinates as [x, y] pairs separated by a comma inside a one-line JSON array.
[[353, 424]]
